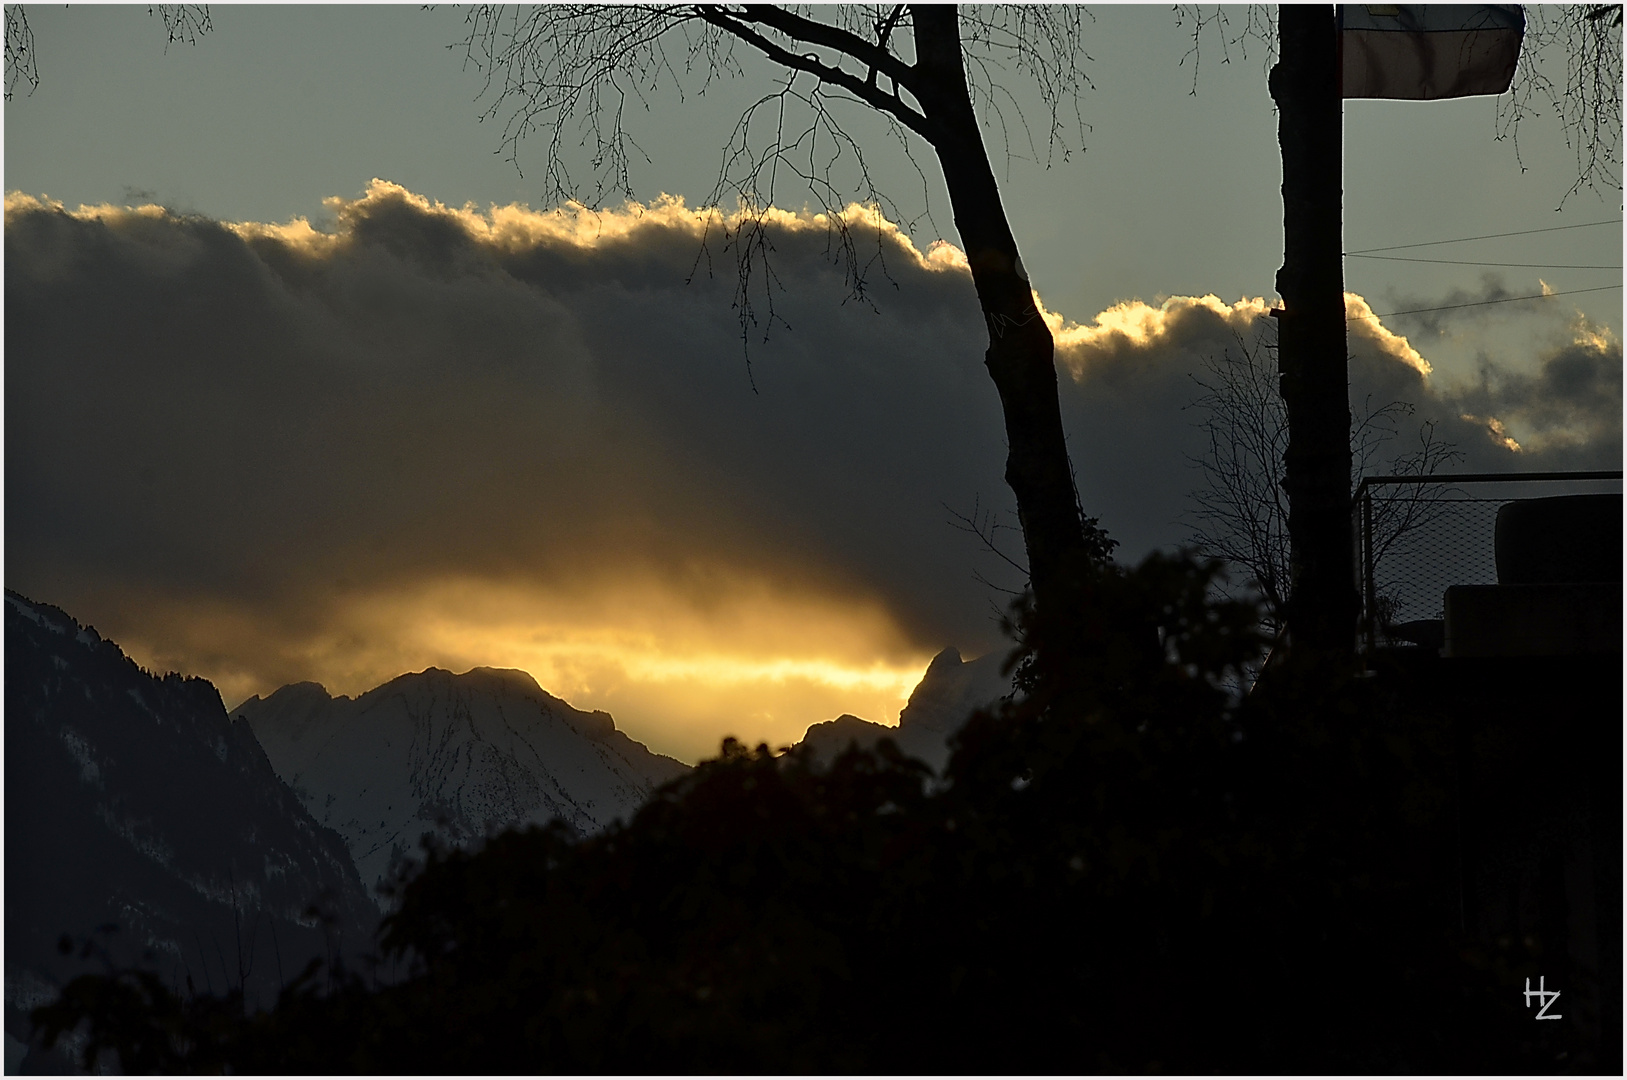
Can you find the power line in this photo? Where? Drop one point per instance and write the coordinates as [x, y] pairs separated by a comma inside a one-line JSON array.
[[1488, 236], [1483, 303], [1472, 262]]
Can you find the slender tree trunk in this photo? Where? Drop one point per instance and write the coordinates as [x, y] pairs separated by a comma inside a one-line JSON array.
[[1020, 354], [1323, 605]]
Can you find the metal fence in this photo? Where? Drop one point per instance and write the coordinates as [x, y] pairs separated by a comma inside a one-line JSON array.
[[1416, 535]]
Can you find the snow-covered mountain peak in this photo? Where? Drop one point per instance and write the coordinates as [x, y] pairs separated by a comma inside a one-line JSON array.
[[521, 681], [949, 692], [952, 689], [457, 755]]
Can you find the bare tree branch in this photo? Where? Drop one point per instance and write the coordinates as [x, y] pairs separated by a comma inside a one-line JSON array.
[[874, 56], [835, 76], [573, 74], [1582, 39], [884, 30], [1398, 515], [1258, 30], [986, 526], [1240, 514], [182, 22], [1586, 98], [568, 70], [21, 60], [1044, 45]]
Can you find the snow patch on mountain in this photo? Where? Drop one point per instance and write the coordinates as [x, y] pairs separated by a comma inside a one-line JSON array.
[[138, 815], [948, 694], [459, 756]]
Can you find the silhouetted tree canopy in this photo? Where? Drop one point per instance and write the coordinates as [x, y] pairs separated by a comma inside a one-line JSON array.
[[1125, 869]]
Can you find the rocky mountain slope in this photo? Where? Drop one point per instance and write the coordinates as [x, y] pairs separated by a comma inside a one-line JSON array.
[[459, 756], [950, 691], [143, 819]]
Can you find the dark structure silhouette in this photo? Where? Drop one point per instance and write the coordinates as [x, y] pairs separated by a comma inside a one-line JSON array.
[[1527, 673], [1311, 332]]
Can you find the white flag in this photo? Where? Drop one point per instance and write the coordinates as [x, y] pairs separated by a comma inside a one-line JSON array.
[[1424, 51]]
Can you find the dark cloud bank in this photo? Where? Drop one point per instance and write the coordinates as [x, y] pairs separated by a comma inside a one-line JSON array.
[[267, 420]]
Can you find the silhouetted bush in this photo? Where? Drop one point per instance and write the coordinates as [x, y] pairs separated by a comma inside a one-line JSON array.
[[1127, 869]]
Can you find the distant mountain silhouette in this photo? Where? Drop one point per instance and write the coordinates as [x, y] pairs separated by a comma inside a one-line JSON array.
[[1129, 870], [142, 818], [460, 756], [134, 802], [950, 691]]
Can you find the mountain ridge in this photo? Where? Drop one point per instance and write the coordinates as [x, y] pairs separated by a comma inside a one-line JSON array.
[[950, 690], [459, 756], [134, 802]]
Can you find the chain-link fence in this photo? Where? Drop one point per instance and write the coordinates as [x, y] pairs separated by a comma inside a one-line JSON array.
[[1417, 535]]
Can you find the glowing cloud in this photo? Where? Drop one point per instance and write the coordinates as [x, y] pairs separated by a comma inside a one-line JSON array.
[[517, 228], [1360, 322], [411, 434], [1136, 326], [425, 435], [1494, 429]]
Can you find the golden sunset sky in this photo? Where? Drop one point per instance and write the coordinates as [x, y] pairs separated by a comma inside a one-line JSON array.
[[303, 383]]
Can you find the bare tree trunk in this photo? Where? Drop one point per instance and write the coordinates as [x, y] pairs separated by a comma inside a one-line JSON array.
[[1020, 354], [1311, 356]]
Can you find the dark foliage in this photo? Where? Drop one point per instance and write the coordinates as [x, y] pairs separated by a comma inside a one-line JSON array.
[[1126, 870]]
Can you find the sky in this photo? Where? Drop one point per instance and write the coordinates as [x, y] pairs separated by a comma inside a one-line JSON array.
[[305, 380]]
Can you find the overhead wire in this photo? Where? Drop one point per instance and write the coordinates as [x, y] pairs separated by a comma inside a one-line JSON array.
[[1368, 253], [1487, 236], [1483, 303], [1474, 262]]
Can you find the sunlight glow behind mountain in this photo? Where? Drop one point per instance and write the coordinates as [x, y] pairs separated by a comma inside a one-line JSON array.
[[676, 671], [414, 435]]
